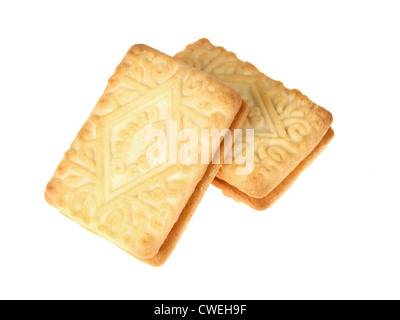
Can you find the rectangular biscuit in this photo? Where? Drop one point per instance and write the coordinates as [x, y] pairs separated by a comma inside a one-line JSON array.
[[105, 181], [289, 129]]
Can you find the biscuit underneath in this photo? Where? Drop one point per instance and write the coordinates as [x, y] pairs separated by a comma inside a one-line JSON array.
[[265, 202]]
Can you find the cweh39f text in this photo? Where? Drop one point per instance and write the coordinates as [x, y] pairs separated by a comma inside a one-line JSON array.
[[217, 309]]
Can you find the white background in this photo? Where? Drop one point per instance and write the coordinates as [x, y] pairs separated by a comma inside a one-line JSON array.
[[334, 235]]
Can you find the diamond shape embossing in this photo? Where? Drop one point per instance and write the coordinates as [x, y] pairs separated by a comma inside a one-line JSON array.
[[262, 116], [122, 130]]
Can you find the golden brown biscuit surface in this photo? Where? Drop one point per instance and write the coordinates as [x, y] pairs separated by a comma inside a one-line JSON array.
[[105, 183], [287, 125]]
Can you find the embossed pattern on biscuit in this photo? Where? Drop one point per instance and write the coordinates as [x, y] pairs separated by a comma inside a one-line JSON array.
[[287, 125], [105, 183]]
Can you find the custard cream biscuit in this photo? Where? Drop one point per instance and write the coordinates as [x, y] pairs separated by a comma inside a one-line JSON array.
[[289, 129], [106, 183]]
